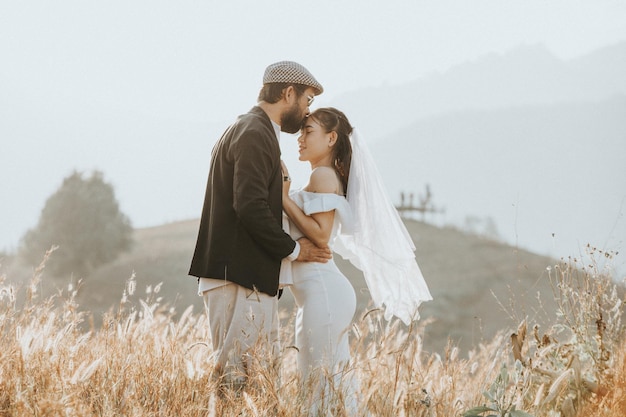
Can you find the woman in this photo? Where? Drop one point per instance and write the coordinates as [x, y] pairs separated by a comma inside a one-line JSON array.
[[344, 205]]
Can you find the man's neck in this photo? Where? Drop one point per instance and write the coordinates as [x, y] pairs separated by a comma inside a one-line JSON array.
[[273, 111]]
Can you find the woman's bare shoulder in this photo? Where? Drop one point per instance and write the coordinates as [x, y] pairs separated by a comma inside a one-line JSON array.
[[323, 180]]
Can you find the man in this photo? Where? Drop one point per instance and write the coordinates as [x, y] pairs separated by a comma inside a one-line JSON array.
[[241, 242]]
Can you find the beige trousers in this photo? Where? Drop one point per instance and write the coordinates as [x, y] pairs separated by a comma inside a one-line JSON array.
[[244, 331]]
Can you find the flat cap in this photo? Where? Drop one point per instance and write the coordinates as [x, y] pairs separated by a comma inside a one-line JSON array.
[[291, 72]]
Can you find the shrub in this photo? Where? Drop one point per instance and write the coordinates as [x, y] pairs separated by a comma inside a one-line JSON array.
[[82, 218]]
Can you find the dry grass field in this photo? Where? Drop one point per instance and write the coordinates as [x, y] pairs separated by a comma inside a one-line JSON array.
[[145, 358]]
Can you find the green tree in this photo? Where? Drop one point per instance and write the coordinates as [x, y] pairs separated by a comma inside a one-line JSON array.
[[82, 218]]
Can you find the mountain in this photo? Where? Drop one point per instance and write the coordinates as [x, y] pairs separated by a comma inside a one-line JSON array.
[[553, 177], [527, 75], [602, 70]]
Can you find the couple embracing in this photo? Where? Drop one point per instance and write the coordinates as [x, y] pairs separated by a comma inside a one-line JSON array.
[[257, 236]]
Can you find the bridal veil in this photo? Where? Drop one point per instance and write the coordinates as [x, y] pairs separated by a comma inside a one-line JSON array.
[[378, 243]]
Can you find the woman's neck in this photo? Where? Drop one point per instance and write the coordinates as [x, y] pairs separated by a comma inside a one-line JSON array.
[[323, 162]]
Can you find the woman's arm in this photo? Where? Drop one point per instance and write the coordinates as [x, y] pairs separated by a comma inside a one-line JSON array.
[[318, 226]]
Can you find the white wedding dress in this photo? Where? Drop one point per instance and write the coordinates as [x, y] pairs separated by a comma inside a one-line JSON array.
[[368, 232], [326, 304]]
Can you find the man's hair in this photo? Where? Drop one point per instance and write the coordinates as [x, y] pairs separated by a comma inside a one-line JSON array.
[[273, 92]]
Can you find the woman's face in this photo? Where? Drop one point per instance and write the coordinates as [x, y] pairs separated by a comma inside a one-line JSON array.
[[314, 144]]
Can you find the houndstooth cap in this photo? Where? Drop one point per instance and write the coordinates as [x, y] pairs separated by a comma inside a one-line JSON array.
[[291, 72]]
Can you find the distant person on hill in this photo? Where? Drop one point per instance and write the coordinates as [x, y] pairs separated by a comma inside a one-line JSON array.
[[241, 243], [344, 205]]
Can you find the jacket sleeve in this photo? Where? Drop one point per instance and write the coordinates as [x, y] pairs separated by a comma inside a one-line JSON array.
[[256, 161]]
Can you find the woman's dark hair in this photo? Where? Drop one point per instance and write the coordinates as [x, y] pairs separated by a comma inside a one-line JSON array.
[[273, 92], [333, 120]]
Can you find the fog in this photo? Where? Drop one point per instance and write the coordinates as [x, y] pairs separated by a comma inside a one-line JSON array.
[[141, 90]]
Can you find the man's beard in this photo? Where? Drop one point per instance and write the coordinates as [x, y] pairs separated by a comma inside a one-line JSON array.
[[291, 120]]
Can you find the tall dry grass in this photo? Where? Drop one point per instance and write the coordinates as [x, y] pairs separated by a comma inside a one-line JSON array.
[[142, 362]]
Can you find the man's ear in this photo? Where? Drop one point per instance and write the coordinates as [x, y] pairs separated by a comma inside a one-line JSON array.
[[289, 93]]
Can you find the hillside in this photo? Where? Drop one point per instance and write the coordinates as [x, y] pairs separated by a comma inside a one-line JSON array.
[[464, 273]]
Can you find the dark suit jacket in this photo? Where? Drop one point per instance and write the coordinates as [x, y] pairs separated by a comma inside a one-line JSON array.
[[241, 237]]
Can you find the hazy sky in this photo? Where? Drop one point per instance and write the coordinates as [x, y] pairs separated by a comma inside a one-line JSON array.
[[189, 59], [201, 62]]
